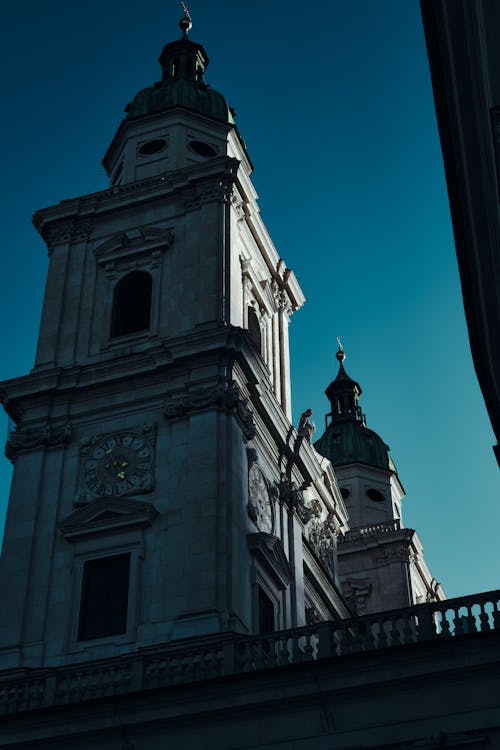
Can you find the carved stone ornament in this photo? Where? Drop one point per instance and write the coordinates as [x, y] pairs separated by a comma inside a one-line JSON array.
[[24, 438], [260, 508], [357, 592], [322, 540], [225, 396], [307, 510], [117, 464], [68, 231], [393, 552], [281, 298], [251, 456]]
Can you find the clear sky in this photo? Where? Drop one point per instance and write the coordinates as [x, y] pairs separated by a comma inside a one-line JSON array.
[[335, 103]]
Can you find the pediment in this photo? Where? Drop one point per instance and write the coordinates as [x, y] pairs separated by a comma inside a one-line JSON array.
[[268, 549], [107, 514], [134, 242]]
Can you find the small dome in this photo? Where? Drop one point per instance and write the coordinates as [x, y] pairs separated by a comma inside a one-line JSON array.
[[347, 442], [183, 64], [193, 95]]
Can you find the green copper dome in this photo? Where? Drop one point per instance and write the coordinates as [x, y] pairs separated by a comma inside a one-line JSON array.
[[184, 63], [350, 442], [347, 439]]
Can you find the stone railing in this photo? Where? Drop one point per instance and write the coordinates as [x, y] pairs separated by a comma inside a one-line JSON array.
[[377, 528], [204, 659]]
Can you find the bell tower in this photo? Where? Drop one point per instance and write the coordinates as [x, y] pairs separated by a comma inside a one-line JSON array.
[[381, 563], [159, 489]]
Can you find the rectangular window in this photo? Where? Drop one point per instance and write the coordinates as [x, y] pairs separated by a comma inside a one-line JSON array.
[[104, 600], [266, 613]]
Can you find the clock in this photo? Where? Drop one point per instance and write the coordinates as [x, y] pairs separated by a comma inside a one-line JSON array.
[[260, 508], [117, 464]]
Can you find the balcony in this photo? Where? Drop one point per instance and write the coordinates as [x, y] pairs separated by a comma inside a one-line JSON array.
[[185, 662]]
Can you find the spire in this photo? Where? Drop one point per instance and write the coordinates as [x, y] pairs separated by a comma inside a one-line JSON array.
[[343, 393], [347, 439], [186, 23]]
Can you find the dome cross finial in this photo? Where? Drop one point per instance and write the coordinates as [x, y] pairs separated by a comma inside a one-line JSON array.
[[186, 23]]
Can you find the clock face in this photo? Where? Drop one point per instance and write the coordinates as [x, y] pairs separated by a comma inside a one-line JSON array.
[[119, 464], [259, 500]]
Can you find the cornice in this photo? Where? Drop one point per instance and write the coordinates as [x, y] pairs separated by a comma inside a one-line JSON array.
[[73, 212]]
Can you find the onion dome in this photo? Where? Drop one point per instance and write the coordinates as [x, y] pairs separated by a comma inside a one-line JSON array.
[[183, 63], [347, 439]]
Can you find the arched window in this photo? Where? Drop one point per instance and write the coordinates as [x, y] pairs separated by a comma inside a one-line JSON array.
[[254, 329], [132, 304]]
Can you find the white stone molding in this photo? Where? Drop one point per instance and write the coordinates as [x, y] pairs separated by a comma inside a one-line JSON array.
[[135, 242], [106, 514]]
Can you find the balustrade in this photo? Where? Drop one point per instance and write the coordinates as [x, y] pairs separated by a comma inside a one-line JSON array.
[[233, 654]]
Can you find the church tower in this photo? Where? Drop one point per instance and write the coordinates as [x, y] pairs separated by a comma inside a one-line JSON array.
[[381, 563], [159, 490]]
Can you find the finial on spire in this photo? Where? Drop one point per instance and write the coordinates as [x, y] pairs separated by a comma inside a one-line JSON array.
[[185, 23], [341, 353]]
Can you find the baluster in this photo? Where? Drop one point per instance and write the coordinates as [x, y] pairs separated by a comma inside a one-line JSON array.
[[445, 625], [382, 635], [340, 639], [295, 650], [282, 657], [357, 632], [426, 623], [303, 647], [496, 616], [243, 658], [394, 632], [369, 639], [326, 644], [308, 649], [470, 620], [484, 620]]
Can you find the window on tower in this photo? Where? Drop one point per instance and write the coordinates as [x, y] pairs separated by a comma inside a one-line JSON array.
[[266, 613], [254, 329], [132, 304], [104, 598]]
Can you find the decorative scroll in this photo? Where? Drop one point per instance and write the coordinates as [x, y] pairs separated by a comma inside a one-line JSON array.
[[24, 438], [225, 396]]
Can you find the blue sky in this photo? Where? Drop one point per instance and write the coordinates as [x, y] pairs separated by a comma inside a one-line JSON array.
[[335, 103]]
